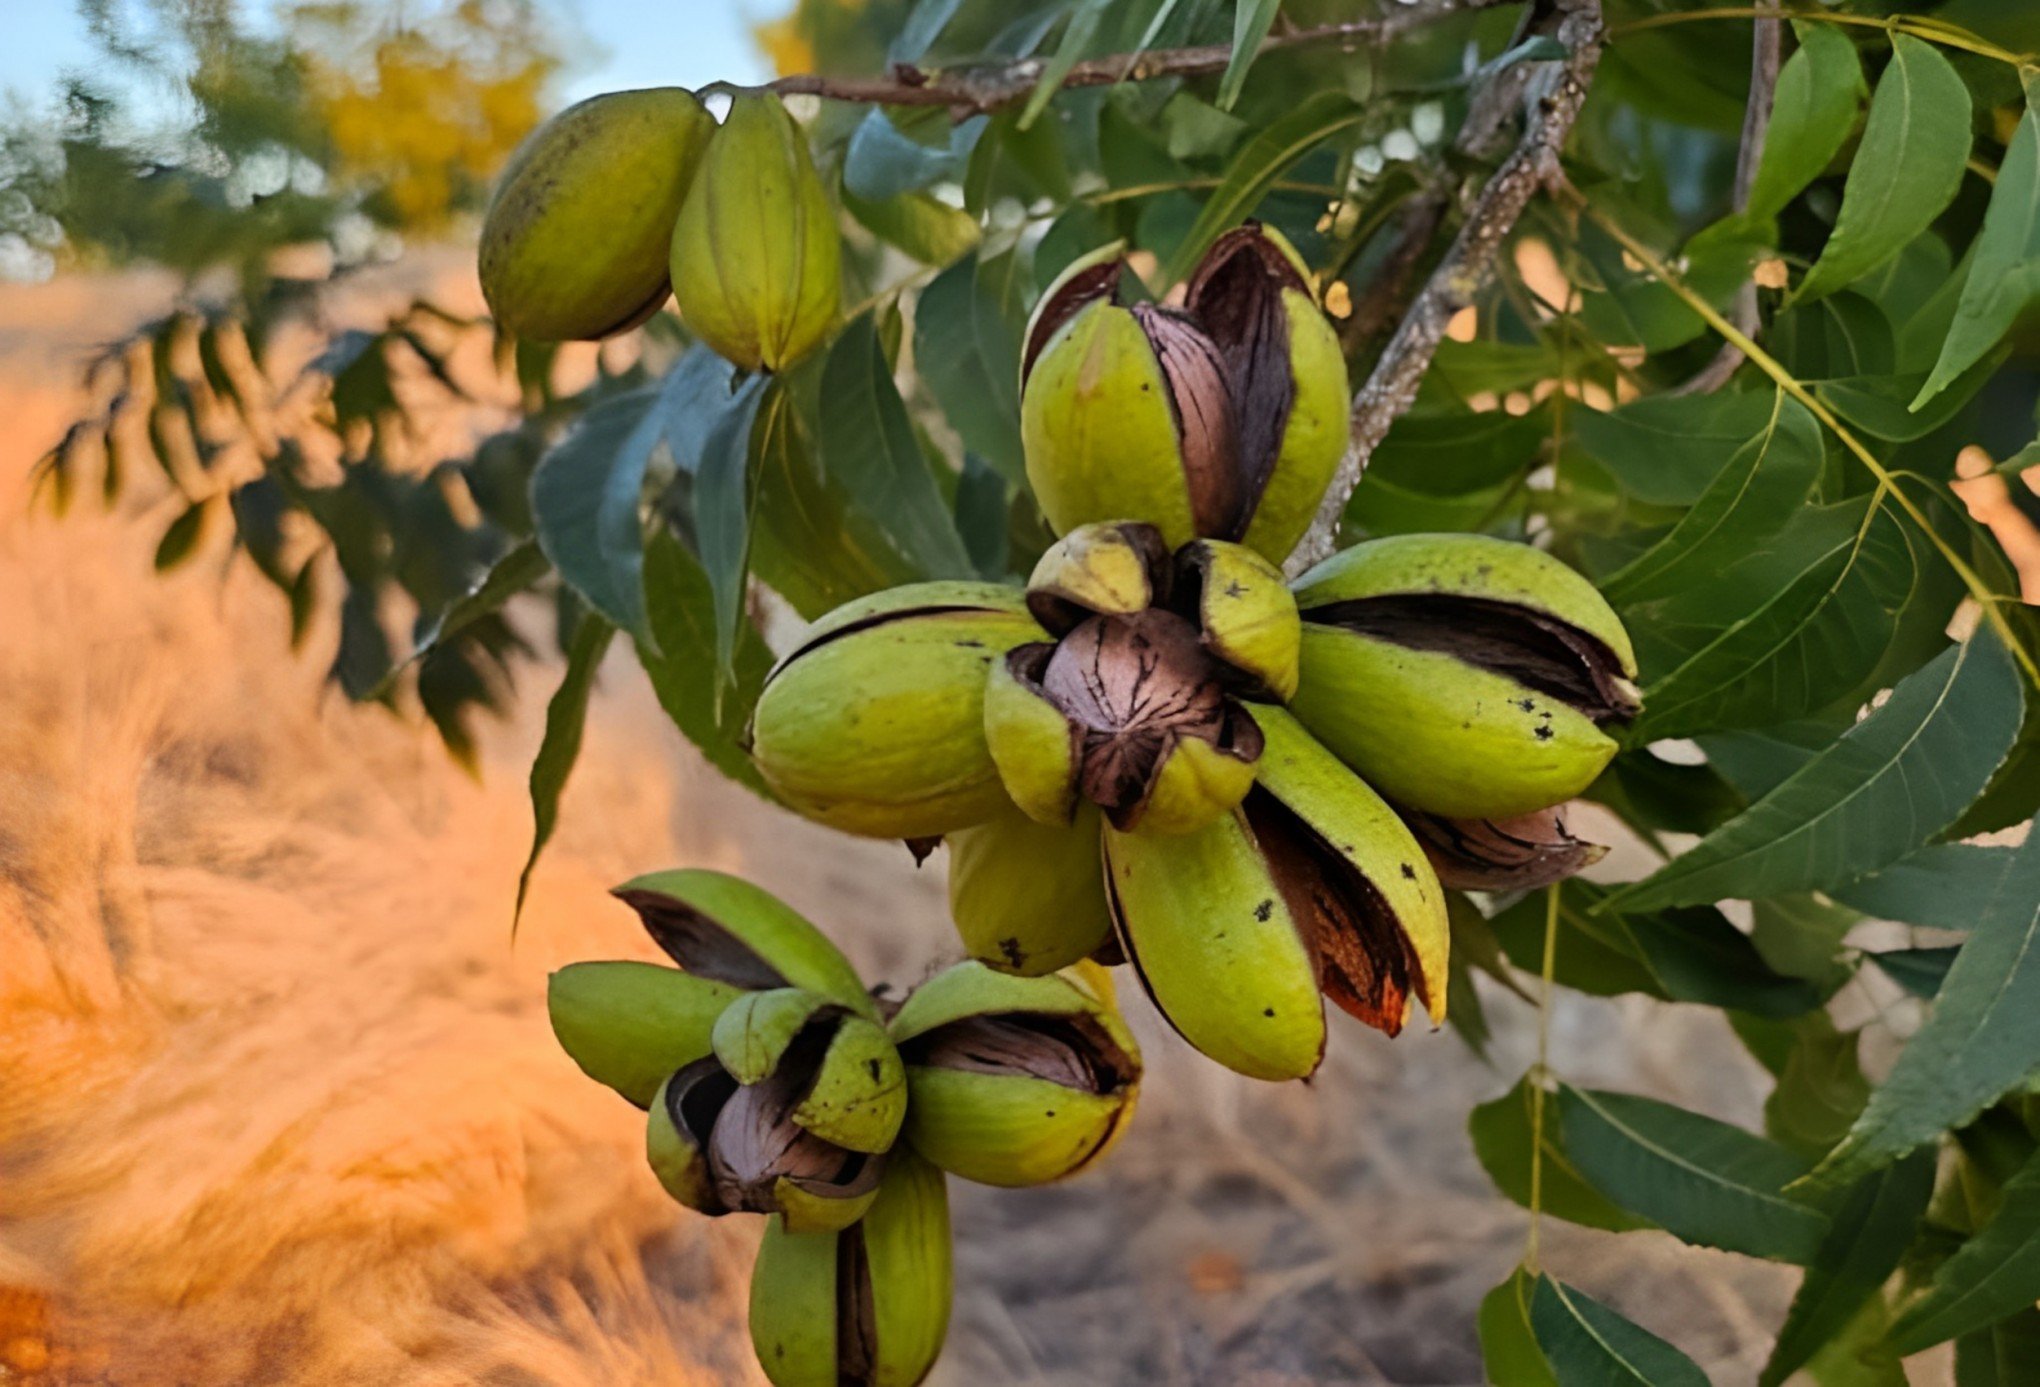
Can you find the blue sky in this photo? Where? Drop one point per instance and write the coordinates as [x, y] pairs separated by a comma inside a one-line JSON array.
[[649, 43], [637, 43]]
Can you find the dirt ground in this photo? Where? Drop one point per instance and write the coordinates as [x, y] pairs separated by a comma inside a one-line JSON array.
[[278, 1102]]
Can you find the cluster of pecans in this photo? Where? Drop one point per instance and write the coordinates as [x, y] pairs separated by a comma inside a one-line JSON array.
[[775, 1083], [1255, 791], [1158, 752]]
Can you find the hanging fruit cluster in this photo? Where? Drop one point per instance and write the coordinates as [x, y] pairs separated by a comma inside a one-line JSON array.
[[774, 1083], [1159, 751], [623, 199]]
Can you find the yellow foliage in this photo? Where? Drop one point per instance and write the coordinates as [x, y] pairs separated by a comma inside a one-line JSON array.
[[426, 111], [786, 46], [836, 28]]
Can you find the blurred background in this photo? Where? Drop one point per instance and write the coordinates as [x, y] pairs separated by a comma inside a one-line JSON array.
[[278, 1101]]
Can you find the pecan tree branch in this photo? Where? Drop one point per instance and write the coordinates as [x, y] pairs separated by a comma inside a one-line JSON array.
[[973, 90], [1764, 53], [1482, 139], [1551, 94]]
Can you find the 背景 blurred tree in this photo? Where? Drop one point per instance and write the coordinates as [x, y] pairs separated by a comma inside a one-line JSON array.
[[204, 137]]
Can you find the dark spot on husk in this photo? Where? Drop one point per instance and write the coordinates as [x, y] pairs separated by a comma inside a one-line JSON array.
[[1187, 591], [1540, 651]]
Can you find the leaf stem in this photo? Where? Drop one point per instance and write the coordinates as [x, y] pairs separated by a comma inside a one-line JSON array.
[[1886, 483], [1933, 31], [1533, 1242]]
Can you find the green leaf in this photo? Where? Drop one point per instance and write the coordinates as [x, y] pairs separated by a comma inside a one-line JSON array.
[[1251, 19], [1589, 1345], [1919, 971], [565, 719], [1845, 334], [2006, 1355], [1077, 35], [1657, 796], [1758, 761], [1944, 884], [1666, 450], [1701, 1180], [981, 517], [1754, 495], [967, 349], [2004, 267], [1801, 936], [1872, 1229], [922, 28], [811, 542], [723, 497], [1449, 455], [1893, 781], [1501, 1132], [519, 567], [1856, 1355], [1994, 1275], [1253, 171], [1906, 170], [881, 162], [1464, 370], [923, 226], [681, 611], [180, 541], [1013, 161], [868, 445], [1632, 309], [1815, 609], [1508, 1345], [584, 503], [1678, 955], [1884, 406], [1819, 90], [1821, 1090], [1982, 1040]]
